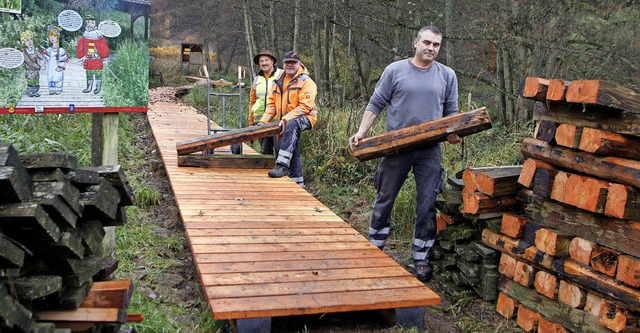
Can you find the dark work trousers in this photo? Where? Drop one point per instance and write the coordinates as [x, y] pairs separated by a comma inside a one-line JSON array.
[[392, 173], [288, 147], [266, 145]]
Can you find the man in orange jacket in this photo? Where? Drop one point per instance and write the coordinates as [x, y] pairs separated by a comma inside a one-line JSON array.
[[293, 103]]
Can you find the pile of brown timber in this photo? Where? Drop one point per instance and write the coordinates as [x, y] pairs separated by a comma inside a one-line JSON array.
[[52, 219], [475, 199], [571, 261]]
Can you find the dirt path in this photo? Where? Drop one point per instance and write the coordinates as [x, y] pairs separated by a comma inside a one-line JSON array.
[[460, 313]]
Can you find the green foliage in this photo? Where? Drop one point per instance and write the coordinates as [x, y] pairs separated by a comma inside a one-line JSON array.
[[67, 134], [126, 80]]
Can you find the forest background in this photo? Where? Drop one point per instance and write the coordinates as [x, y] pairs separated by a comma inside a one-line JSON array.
[[492, 45]]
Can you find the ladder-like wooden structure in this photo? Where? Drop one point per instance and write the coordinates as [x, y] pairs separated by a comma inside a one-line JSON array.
[[265, 247]]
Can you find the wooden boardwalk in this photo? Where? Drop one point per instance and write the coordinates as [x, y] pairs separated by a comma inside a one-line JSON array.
[[265, 247]]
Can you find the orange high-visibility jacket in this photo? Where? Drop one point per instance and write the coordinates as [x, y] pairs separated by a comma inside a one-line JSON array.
[[296, 99]]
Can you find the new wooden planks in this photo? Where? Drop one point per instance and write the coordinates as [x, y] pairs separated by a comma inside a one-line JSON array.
[[254, 234]]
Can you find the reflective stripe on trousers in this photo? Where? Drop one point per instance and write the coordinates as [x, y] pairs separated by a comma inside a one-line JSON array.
[[288, 147], [391, 175]]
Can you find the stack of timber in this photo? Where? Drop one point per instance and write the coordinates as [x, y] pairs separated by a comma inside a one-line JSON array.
[[52, 219], [472, 201], [571, 261]]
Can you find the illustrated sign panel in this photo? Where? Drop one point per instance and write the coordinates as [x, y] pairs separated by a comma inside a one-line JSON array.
[[71, 55]]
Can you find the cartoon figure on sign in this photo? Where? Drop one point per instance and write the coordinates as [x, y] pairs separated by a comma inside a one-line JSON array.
[[57, 59], [31, 64], [92, 49]]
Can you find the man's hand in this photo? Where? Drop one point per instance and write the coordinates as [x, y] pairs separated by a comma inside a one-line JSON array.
[[355, 138], [453, 138], [259, 123], [282, 124]]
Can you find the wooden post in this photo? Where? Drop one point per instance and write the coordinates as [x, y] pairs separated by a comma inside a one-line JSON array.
[[105, 152]]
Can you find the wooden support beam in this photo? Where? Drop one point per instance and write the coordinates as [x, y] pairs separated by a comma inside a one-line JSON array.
[[546, 131], [574, 320], [95, 315], [604, 260], [421, 135], [552, 242], [507, 265], [623, 236], [610, 168], [227, 138], [527, 319], [571, 295], [604, 93], [500, 181], [528, 171], [535, 88], [629, 270], [566, 269], [603, 118], [623, 202], [227, 161], [605, 143], [546, 284], [506, 306], [580, 250], [557, 90], [476, 203], [546, 326], [513, 225], [568, 135], [109, 294]]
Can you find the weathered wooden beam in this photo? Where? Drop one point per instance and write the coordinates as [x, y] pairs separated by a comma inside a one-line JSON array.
[[424, 134], [32, 287], [11, 255], [23, 222], [557, 90], [15, 185], [573, 319], [227, 161], [115, 175], [604, 143], [500, 181], [610, 168], [227, 138], [594, 116], [96, 315], [623, 236], [604, 93], [534, 88], [49, 161], [566, 269]]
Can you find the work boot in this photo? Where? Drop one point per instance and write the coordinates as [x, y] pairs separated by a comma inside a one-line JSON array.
[[98, 86], [35, 91], [279, 172], [29, 91], [89, 86], [424, 271]]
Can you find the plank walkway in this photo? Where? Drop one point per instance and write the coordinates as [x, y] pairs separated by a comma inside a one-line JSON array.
[[265, 247]]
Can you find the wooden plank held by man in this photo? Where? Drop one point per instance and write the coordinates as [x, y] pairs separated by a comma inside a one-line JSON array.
[[227, 138], [430, 132]]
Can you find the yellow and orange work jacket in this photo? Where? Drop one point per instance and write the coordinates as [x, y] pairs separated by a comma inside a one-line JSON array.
[[295, 99]]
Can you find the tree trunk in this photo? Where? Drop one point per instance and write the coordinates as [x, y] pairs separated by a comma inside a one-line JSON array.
[[273, 41], [296, 26], [248, 30], [448, 26]]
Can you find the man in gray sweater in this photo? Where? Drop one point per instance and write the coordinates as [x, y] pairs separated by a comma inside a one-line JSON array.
[[413, 91]]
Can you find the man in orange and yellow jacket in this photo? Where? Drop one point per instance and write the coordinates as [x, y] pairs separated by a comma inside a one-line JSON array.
[[293, 102]]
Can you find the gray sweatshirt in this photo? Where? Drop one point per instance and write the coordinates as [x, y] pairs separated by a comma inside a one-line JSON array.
[[413, 95]]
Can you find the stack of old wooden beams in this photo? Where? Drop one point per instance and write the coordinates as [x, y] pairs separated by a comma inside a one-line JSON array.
[[475, 199], [52, 219], [571, 261]]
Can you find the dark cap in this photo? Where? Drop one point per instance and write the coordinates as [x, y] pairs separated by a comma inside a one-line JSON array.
[[291, 56], [264, 52], [89, 16]]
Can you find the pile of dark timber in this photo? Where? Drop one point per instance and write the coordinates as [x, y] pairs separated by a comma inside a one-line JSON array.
[[571, 261], [52, 219], [475, 199]]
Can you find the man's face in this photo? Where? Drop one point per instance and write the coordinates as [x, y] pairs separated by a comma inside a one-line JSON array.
[[266, 64], [91, 25], [291, 67], [427, 46], [29, 42]]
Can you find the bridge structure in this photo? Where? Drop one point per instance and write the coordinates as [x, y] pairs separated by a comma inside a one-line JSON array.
[[265, 247]]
